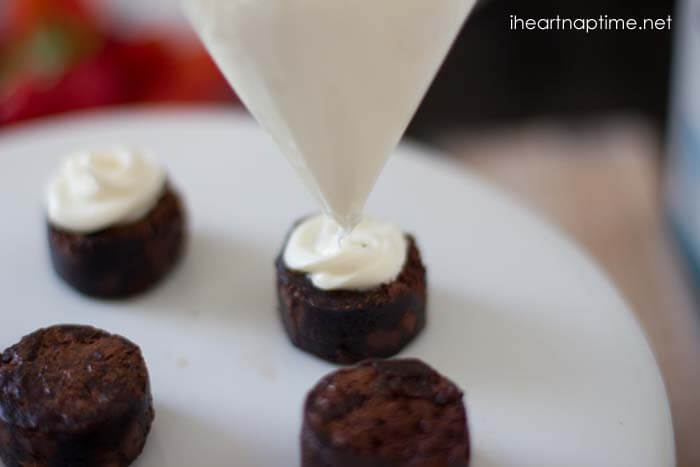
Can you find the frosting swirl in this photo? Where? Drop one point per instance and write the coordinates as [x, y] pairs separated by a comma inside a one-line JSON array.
[[91, 191], [372, 254]]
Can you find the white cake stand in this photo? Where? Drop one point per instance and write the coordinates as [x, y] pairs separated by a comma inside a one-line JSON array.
[[556, 370]]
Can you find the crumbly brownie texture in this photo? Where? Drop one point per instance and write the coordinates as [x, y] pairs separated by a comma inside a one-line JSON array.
[[346, 326], [385, 413], [123, 260], [73, 396]]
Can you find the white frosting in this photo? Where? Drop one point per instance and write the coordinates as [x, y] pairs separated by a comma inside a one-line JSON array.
[[334, 82], [91, 191], [373, 254]]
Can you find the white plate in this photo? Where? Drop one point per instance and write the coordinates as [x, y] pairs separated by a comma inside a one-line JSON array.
[[555, 368]]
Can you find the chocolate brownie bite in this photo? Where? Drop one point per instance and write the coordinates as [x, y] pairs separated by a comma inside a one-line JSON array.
[[346, 326], [385, 413], [122, 260], [115, 224], [73, 396]]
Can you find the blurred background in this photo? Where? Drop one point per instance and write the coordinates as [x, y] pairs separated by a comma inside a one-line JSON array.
[[117, 52], [599, 131]]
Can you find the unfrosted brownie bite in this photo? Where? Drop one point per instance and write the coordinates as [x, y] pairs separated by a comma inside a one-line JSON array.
[[73, 396], [385, 413]]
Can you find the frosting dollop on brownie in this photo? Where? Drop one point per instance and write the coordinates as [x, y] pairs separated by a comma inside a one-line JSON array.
[[94, 190], [372, 254]]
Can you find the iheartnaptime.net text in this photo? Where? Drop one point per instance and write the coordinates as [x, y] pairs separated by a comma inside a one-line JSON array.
[[602, 23]]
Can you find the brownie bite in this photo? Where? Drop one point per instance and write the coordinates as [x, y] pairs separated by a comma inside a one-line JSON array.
[[346, 326], [385, 413], [125, 259], [73, 396]]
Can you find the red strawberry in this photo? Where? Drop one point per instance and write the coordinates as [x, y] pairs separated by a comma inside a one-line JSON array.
[[25, 16], [95, 82], [194, 77]]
